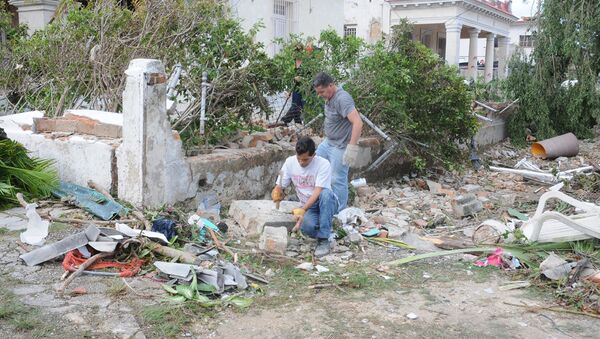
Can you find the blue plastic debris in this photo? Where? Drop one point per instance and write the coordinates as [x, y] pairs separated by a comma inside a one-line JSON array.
[[90, 200], [202, 224], [371, 233], [164, 226]]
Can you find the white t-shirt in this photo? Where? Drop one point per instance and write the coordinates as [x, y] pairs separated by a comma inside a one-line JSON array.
[[305, 179]]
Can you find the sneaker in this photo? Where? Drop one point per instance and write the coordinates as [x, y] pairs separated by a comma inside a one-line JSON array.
[[323, 248]]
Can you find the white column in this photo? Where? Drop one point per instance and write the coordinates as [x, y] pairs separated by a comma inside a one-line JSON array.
[[141, 158], [489, 57], [503, 43], [453, 29], [473, 38], [34, 13]]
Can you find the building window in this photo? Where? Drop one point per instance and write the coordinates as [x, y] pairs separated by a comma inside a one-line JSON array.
[[283, 21], [525, 40], [349, 30]]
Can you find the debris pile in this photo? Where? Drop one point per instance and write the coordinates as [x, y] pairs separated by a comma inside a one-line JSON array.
[[198, 271]]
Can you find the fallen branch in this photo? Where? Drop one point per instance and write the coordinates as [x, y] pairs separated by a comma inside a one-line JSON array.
[[219, 245], [536, 309], [82, 268], [439, 254], [268, 255], [321, 286], [99, 222], [24, 247], [184, 257], [138, 214], [95, 186]]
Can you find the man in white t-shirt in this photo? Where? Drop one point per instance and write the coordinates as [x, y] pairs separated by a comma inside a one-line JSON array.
[[311, 176]]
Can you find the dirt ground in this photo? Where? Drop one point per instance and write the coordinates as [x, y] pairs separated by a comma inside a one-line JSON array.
[[445, 297], [449, 296]]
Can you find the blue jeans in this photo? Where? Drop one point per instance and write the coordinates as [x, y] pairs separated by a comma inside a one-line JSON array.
[[339, 171], [317, 222]]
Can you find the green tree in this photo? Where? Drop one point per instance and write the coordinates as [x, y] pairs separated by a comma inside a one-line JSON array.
[[567, 46]]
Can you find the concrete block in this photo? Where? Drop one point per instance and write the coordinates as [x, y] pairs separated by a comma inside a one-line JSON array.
[[274, 240], [255, 215], [465, 205]]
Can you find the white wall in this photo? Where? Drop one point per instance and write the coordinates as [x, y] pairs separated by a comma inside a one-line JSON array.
[[309, 17], [363, 13], [516, 31]]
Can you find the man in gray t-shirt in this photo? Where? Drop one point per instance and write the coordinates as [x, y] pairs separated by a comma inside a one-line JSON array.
[[343, 127]]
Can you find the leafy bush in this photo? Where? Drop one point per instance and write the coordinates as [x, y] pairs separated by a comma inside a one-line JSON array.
[[83, 54], [399, 84], [567, 46], [21, 173]]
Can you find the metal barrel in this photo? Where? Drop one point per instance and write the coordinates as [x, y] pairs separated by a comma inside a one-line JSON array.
[[565, 145]]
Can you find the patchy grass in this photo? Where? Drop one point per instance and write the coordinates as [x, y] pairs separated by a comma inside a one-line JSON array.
[[8, 233], [56, 227], [117, 287], [168, 320], [20, 318]]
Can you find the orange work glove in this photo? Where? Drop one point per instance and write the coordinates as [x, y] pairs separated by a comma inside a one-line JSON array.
[[277, 194]]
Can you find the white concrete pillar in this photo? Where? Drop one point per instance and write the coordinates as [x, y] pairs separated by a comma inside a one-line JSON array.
[[489, 57], [473, 39], [34, 13], [141, 158], [503, 43], [453, 29]]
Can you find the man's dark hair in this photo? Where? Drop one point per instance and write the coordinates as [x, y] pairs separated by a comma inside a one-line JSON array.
[[305, 144], [322, 79]]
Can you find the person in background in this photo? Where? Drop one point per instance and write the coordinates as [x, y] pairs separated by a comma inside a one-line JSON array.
[[342, 127]]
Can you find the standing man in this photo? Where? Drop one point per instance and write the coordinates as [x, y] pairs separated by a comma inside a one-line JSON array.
[[311, 176], [343, 127]]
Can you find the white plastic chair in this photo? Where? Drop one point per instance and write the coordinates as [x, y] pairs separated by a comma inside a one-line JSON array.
[[551, 226]]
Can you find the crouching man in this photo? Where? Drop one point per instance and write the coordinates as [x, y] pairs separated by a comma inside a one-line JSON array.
[[311, 176]]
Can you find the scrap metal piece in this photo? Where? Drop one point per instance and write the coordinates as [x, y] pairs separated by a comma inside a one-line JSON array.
[[104, 246], [174, 269], [234, 271], [63, 246], [130, 232], [90, 200]]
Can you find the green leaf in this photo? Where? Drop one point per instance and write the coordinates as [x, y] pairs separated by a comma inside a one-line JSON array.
[[201, 298], [207, 288], [439, 254], [240, 302], [517, 214], [169, 289], [185, 291]]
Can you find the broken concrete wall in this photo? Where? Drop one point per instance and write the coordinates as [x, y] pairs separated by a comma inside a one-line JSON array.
[[78, 158], [250, 173], [238, 173], [491, 132]]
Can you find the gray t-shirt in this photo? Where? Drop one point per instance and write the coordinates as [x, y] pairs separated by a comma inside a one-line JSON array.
[[338, 129]]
